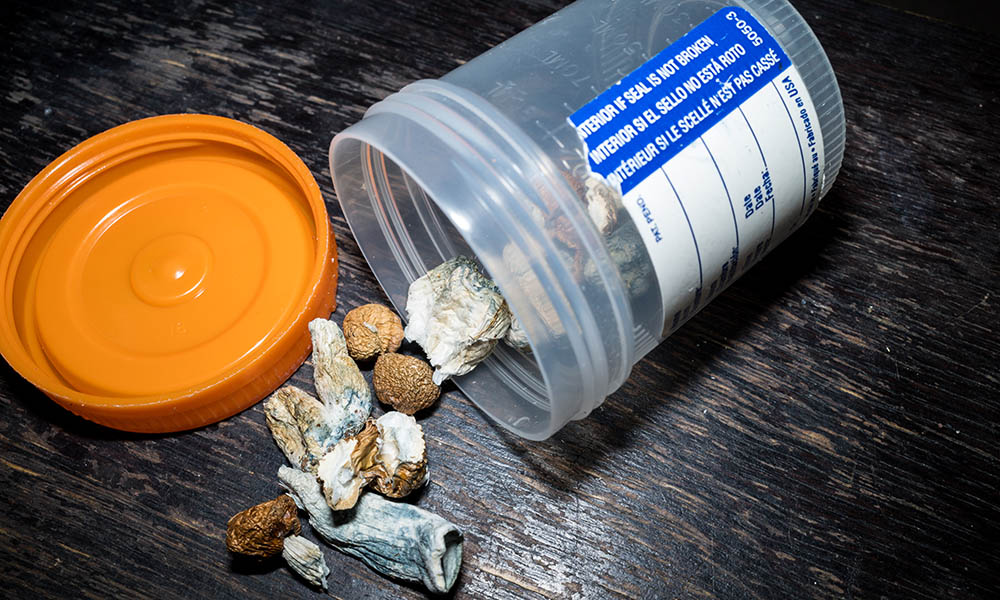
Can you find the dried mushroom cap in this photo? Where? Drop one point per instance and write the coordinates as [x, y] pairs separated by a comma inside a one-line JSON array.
[[401, 439], [457, 315], [306, 559], [389, 452], [343, 470], [403, 480], [402, 456], [260, 530], [405, 383], [365, 454], [372, 329], [341, 483]]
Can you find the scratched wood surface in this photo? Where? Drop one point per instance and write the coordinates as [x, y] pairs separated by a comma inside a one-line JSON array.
[[826, 428]]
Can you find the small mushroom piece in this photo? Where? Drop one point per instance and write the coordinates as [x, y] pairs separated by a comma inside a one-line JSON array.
[[372, 329], [625, 246], [602, 202], [260, 530], [516, 337], [457, 315], [344, 470], [405, 383], [401, 464], [306, 559]]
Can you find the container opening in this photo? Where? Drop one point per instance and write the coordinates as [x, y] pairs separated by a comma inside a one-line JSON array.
[[508, 385]]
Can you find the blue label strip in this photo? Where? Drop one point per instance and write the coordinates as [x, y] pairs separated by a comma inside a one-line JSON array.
[[637, 125]]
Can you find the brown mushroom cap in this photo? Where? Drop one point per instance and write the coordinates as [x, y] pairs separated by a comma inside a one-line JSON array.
[[407, 477], [261, 530], [404, 382], [370, 330]]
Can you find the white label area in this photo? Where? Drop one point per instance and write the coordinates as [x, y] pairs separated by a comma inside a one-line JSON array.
[[716, 149]]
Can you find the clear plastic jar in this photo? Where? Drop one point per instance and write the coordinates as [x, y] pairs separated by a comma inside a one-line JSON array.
[[485, 162]]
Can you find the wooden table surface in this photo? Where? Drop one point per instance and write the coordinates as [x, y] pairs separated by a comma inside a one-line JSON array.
[[828, 427]]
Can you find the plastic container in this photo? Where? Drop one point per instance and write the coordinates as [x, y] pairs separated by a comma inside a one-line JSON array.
[[487, 162], [160, 275]]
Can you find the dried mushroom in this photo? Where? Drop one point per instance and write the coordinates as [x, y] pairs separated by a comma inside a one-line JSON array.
[[405, 383], [260, 530], [301, 426], [602, 203], [339, 382], [394, 538], [341, 481], [627, 251], [343, 469], [401, 463], [372, 329], [306, 559], [516, 337], [457, 315], [389, 452]]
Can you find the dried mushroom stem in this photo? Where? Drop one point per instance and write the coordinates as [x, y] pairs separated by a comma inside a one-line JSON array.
[[396, 539], [301, 426], [339, 382], [260, 530], [306, 559]]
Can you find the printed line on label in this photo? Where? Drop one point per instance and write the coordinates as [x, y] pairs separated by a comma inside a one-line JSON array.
[[725, 187], [694, 238], [802, 155]]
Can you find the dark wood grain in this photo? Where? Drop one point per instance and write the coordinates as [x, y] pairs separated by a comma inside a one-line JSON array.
[[826, 428]]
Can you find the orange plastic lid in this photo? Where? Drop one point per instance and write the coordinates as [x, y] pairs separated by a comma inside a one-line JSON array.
[[160, 276]]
